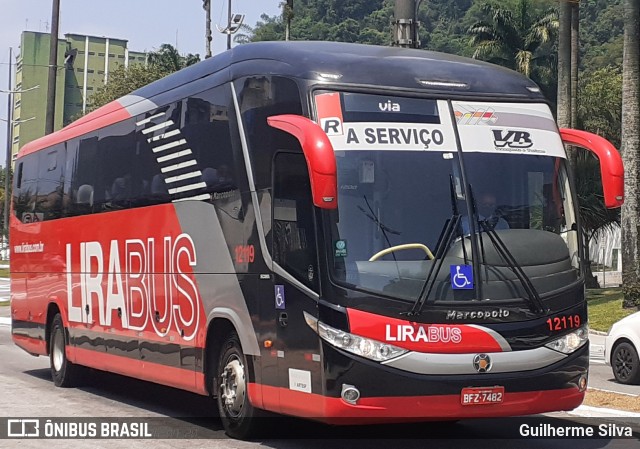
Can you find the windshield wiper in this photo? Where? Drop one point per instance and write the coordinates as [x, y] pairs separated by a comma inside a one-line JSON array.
[[535, 303], [450, 229]]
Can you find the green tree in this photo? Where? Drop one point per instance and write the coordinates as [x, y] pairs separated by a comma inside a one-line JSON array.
[[123, 81], [517, 40], [167, 59], [363, 21], [601, 33], [600, 103]]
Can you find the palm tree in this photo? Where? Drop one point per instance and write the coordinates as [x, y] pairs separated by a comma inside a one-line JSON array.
[[564, 64], [575, 59], [516, 40], [169, 60], [594, 216], [631, 153], [287, 12]]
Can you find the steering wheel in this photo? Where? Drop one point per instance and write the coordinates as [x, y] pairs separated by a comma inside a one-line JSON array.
[[386, 251]]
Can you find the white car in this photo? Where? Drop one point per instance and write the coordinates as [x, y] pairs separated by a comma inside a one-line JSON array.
[[621, 349]]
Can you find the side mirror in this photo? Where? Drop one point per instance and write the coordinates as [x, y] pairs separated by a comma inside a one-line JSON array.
[[318, 152], [611, 168]]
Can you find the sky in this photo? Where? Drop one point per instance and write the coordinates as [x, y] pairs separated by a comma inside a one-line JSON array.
[[146, 24]]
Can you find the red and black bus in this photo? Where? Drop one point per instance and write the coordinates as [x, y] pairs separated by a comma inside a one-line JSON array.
[[325, 230]]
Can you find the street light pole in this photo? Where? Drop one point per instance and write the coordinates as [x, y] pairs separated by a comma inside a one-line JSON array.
[[405, 25], [7, 168], [53, 68]]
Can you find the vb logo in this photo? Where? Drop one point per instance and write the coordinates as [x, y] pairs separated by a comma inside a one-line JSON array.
[[512, 139]]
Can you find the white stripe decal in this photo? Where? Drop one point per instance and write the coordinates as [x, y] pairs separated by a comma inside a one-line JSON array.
[[168, 157], [157, 127], [193, 174], [199, 185], [206, 196], [148, 119], [184, 164], [164, 136], [166, 146]]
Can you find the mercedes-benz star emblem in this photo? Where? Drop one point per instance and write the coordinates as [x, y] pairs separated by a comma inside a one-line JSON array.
[[482, 363]]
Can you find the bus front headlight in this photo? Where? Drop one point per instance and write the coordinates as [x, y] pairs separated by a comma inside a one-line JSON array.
[[355, 344], [570, 342]]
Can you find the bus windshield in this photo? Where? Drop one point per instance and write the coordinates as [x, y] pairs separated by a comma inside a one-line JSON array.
[[402, 179]]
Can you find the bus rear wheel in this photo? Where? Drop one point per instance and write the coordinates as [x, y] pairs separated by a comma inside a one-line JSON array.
[[239, 418], [64, 373]]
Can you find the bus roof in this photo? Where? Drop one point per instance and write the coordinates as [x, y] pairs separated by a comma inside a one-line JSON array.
[[355, 64]]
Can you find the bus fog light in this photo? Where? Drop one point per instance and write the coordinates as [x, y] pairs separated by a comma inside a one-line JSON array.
[[350, 394], [582, 383]]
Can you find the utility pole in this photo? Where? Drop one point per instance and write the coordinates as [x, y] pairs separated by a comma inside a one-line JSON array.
[[53, 68], [7, 168], [229, 25], [206, 4], [405, 24]]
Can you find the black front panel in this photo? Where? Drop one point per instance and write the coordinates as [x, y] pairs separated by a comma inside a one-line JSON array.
[[376, 380]]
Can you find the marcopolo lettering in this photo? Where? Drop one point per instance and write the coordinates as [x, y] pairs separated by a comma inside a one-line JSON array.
[[476, 314]]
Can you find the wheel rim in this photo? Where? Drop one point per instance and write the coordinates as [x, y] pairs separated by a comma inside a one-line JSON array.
[[58, 350], [623, 364], [233, 386]]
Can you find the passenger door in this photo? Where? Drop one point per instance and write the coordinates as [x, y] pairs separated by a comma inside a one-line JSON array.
[[295, 289]]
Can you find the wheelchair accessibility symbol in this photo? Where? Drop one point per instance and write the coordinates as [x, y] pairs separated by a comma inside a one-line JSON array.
[[461, 277], [279, 296]]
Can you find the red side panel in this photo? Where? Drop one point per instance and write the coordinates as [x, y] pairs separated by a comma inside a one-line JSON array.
[[125, 276], [152, 372], [611, 167], [318, 152], [434, 338]]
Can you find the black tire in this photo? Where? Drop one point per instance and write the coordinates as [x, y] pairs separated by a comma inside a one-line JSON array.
[[64, 373], [625, 363], [240, 419]]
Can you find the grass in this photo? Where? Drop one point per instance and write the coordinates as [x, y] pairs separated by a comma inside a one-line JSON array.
[[4, 272], [605, 308]]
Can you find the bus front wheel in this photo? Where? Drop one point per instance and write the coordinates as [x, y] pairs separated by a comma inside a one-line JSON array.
[[239, 418], [64, 373]]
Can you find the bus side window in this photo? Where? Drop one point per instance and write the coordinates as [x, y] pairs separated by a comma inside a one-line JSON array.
[[24, 195], [294, 244], [50, 178], [206, 129]]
